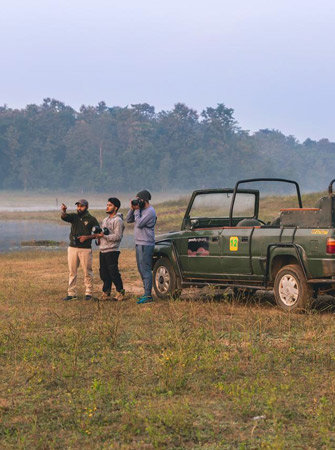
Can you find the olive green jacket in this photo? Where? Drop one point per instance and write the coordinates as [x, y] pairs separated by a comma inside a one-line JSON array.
[[80, 226]]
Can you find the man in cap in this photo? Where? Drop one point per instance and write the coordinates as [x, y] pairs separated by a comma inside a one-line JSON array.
[[109, 250], [144, 216], [79, 251]]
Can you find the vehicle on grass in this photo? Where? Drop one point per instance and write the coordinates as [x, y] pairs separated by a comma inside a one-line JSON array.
[[223, 242]]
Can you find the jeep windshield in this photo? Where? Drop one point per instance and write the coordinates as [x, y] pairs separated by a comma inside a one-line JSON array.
[[217, 204], [210, 208]]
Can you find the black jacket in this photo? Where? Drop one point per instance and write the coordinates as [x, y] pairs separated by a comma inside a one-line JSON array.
[[80, 226]]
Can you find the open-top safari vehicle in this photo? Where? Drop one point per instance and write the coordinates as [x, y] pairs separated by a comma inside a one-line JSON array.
[[223, 242]]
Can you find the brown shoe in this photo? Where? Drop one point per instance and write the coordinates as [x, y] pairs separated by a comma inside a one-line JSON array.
[[119, 296], [105, 296]]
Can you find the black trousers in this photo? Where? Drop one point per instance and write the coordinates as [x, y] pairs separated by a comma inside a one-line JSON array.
[[109, 271]]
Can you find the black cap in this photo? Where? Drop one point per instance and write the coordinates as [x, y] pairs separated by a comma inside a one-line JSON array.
[[83, 202], [144, 195], [116, 202]]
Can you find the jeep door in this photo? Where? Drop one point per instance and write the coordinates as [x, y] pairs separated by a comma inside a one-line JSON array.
[[236, 244], [200, 247], [237, 239]]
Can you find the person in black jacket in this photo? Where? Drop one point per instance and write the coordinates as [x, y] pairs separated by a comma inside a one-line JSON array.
[[80, 251]]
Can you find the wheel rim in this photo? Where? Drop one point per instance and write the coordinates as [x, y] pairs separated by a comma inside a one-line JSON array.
[[162, 280], [288, 290]]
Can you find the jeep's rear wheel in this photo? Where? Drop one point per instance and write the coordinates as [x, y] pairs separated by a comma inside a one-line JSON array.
[[291, 290], [165, 279]]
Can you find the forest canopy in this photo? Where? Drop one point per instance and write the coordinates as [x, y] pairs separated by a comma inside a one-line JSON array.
[[102, 148]]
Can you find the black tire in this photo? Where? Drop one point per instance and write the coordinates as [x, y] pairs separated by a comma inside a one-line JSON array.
[[292, 292], [165, 280]]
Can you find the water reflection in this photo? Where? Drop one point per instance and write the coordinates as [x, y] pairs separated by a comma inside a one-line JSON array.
[[13, 232]]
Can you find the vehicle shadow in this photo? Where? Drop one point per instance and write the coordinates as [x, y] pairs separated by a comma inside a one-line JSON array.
[[229, 296], [322, 305]]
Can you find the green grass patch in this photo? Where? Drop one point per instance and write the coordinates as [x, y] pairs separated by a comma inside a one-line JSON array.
[[43, 243], [196, 373], [170, 213]]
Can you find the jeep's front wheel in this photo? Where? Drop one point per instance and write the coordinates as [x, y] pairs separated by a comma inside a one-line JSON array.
[[165, 279], [291, 290]]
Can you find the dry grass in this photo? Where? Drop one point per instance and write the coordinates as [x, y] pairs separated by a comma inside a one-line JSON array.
[[196, 373], [170, 213], [270, 206], [169, 206]]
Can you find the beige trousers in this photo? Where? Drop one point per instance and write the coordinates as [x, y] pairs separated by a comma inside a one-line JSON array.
[[83, 257]]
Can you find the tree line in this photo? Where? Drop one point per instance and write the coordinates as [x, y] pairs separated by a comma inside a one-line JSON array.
[[111, 149]]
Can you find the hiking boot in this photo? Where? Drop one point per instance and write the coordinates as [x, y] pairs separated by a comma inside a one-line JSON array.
[[144, 299], [105, 296], [119, 296], [70, 297], [88, 297]]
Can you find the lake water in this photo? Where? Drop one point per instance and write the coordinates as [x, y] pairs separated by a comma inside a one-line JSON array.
[[13, 232]]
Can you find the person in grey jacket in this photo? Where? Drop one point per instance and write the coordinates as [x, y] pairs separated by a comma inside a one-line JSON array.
[[144, 216], [109, 250]]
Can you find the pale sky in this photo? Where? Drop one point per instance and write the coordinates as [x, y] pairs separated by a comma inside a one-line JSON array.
[[272, 61]]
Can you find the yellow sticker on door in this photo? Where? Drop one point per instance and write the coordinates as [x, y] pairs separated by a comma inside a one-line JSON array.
[[233, 244]]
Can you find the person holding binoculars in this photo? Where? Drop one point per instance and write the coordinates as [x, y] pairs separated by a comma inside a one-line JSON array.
[[109, 238], [80, 251], [144, 216]]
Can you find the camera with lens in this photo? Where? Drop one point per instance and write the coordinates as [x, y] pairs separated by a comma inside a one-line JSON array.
[[98, 230], [138, 202]]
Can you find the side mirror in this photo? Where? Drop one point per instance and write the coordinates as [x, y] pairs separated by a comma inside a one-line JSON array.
[[186, 225], [194, 223]]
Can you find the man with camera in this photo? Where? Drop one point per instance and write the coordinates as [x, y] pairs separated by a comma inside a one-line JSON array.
[[79, 251], [144, 216], [110, 237]]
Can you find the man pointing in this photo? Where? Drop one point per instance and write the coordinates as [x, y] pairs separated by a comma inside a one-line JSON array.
[[80, 251]]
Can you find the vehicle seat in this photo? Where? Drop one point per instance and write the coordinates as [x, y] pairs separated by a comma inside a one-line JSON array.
[[275, 222], [248, 223]]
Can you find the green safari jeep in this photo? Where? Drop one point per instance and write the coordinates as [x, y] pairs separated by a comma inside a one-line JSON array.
[[223, 242]]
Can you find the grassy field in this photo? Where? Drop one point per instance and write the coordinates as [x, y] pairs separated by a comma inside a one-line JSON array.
[[53, 199], [201, 372], [170, 213]]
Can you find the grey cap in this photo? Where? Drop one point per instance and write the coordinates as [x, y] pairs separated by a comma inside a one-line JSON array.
[[144, 195], [83, 202]]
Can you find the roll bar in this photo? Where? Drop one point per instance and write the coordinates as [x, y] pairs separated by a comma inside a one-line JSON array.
[[252, 180], [330, 187]]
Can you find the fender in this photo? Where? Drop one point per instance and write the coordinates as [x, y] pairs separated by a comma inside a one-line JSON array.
[[285, 249], [166, 248]]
